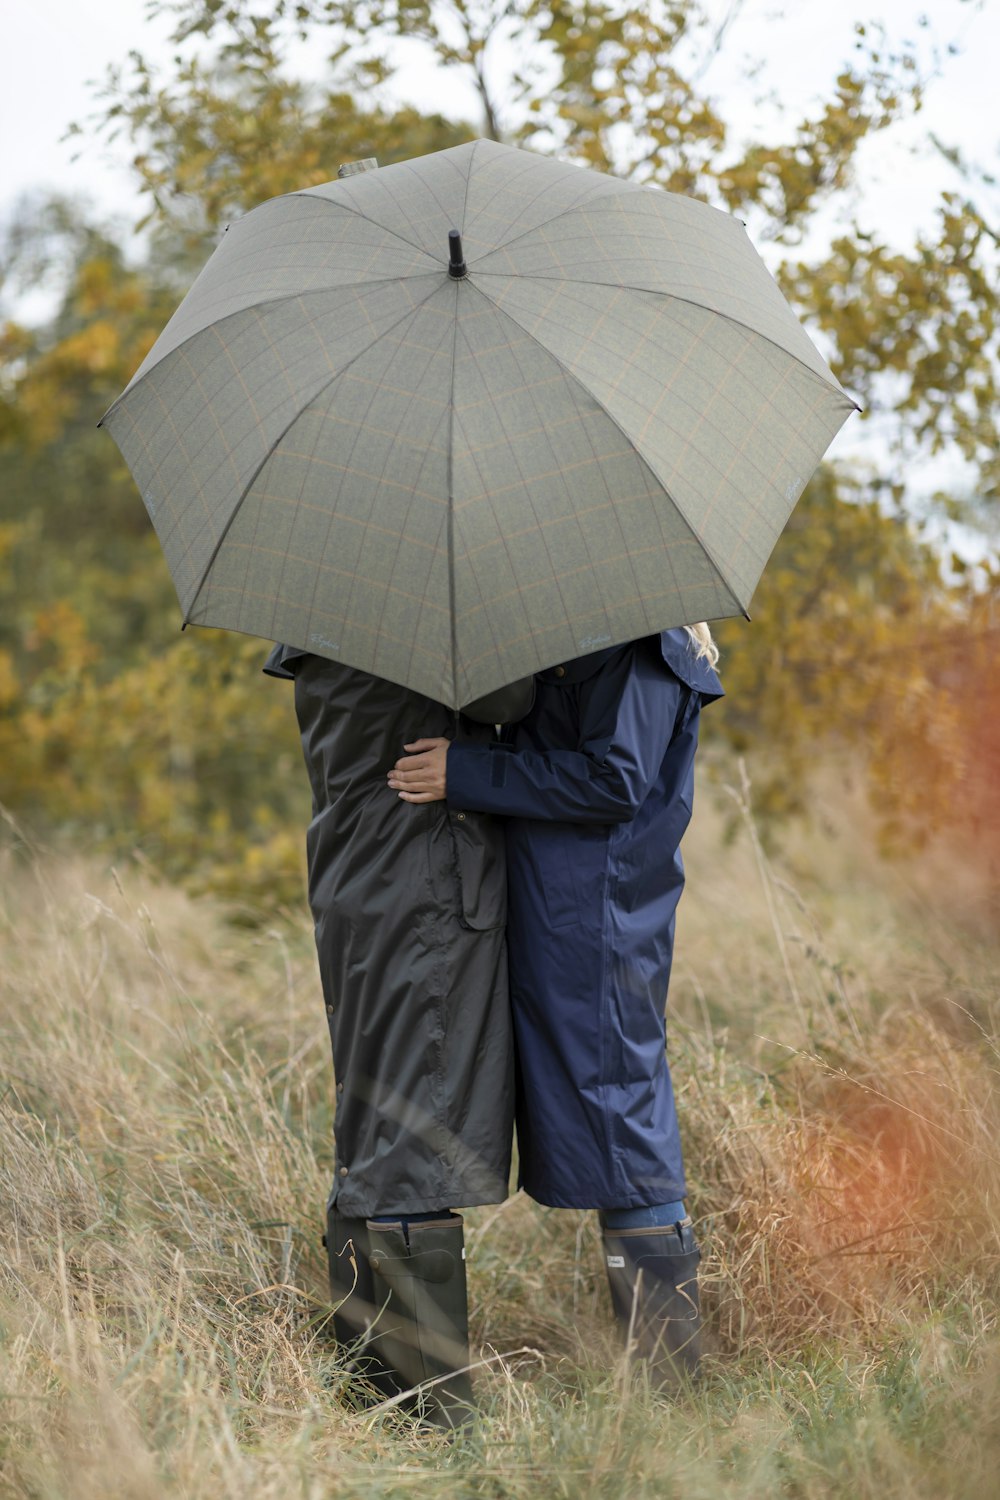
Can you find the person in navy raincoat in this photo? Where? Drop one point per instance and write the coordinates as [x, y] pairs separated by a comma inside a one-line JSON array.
[[596, 786]]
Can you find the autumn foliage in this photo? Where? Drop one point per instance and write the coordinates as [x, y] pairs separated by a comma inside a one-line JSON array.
[[872, 638]]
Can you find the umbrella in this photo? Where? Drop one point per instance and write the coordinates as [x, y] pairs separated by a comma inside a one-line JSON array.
[[473, 414]]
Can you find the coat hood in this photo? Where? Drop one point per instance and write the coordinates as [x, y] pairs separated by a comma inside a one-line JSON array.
[[678, 653]]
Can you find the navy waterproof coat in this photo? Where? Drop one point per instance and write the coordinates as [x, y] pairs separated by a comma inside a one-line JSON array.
[[596, 787]]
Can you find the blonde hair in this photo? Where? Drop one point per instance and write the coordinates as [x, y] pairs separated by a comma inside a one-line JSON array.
[[704, 646]]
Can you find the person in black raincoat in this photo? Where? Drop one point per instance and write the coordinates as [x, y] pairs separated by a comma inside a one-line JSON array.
[[595, 786], [409, 916]]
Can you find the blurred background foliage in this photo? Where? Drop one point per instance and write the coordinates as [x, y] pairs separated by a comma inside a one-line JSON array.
[[874, 636]]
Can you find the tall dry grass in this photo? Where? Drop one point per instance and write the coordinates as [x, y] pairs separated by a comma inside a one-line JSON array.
[[165, 1145]]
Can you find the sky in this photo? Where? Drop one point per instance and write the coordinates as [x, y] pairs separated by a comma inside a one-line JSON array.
[[57, 51]]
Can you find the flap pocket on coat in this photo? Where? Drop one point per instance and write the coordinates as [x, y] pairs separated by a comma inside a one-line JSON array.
[[482, 870]]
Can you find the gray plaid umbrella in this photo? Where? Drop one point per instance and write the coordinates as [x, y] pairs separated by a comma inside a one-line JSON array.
[[452, 472]]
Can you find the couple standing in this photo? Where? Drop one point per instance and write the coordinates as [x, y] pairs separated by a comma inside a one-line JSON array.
[[584, 798]]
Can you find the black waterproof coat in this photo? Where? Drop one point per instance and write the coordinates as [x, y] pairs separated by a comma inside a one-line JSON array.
[[409, 906]]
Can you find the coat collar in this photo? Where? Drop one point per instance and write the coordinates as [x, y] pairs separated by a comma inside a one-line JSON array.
[[277, 664], [676, 650], [582, 667]]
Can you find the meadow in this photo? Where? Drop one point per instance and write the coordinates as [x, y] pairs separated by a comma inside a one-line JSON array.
[[165, 1081], [165, 1149]]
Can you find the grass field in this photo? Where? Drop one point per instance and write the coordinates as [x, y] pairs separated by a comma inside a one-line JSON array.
[[165, 1148]]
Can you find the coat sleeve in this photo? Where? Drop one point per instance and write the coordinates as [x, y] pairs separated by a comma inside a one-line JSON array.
[[630, 713]]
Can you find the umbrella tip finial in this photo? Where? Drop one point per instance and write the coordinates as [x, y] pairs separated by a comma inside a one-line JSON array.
[[456, 260]]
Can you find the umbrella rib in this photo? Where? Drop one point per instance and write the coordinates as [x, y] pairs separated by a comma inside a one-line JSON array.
[[346, 209], [252, 307], [287, 428], [673, 297], [560, 213], [468, 184], [451, 507], [573, 375], [451, 463]]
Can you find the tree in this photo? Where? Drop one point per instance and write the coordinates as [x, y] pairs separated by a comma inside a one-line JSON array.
[[622, 89], [915, 334], [111, 727], [856, 643], [850, 616]]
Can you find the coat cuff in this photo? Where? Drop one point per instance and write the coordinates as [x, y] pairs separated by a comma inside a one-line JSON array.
[[476, 775]]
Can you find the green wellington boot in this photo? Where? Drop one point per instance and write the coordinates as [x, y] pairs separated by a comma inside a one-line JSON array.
[[423, 1332], [653, 1276], [357, 1315]]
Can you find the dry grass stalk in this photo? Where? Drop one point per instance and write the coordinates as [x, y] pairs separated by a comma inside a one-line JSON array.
[[165, 1130]]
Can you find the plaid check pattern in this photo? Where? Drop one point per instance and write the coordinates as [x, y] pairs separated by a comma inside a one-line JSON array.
[[598, 433]]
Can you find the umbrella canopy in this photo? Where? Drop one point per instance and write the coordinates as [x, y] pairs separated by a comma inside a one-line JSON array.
[[454, 462]]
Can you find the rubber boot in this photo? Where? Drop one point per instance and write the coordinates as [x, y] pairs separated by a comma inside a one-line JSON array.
[[357, 1315], [653, 1276], [424, 1328]]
